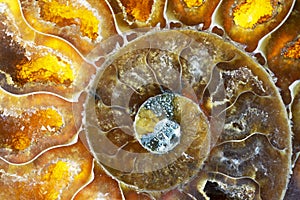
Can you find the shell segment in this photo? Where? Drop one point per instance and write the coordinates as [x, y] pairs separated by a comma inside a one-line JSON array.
[[204, 98]]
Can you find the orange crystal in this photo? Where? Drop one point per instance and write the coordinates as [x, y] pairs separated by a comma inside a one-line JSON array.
[[139, 10], [31, 61], [67, 14], [248, 21], [192, 12], [17, 131], [293, 51], [57, 174]]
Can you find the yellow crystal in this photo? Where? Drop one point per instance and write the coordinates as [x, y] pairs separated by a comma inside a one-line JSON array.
[[67, 14], [57, 178], [193, 3], [252, 12], [44, 69]]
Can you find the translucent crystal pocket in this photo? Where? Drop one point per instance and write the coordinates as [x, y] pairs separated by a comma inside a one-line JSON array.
[[166, 107]]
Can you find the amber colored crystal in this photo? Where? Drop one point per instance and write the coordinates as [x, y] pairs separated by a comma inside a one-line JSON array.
[[57, 174], [293, 51], [83, 23], [192, 12], [66, 15], [48, 68], [248, 21], [29, 124], [253, 12], [38, 122], [138, 14], [283, 53], [31, 61], [138, 10], [193, 3]]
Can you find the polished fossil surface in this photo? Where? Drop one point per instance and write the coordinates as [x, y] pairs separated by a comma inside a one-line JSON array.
[[154, 99], [230, 118]]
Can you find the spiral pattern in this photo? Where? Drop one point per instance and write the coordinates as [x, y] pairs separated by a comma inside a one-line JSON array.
[[220, 106], [152, 99]]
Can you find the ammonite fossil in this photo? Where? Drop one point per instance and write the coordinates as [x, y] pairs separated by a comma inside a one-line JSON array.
[[154, 99]]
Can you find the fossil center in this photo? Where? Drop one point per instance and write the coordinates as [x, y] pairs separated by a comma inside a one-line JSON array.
[[158, 122]]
